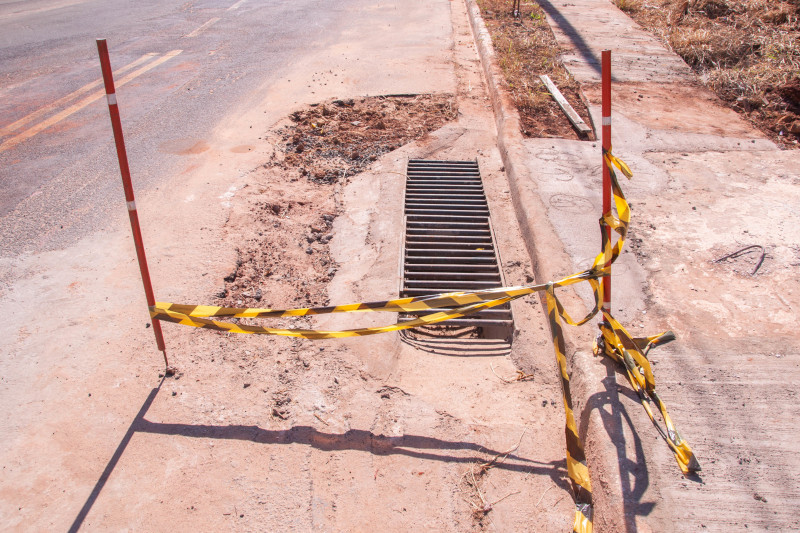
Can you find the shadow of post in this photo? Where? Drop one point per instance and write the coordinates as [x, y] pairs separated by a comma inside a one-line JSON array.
[[570, 31], [634, 477], [417, 446], [112, 463]]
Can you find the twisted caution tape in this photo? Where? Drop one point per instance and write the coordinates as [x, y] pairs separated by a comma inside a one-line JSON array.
[[614, 341]]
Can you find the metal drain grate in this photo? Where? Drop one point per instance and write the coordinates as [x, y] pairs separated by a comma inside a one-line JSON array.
[[449, 242]]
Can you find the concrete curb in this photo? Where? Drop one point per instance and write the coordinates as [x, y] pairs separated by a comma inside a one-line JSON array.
[[550, 261]]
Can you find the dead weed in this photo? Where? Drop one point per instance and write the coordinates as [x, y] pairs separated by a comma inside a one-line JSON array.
[[526, 48], [747, 51], [340, 138]]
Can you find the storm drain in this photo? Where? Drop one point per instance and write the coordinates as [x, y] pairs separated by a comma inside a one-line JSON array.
[[449, 242]]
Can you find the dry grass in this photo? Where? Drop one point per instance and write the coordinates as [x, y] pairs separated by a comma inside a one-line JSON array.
[[747, 51], [526, 49]]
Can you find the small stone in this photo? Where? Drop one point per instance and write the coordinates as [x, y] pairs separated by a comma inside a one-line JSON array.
[[309, 250], [794, 127], [246, 385]]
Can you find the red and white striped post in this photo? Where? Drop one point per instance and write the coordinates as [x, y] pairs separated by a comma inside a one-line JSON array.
[[606, 142], [122, 156]]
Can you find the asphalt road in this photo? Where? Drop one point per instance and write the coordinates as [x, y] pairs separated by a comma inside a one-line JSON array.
[[180, 67]]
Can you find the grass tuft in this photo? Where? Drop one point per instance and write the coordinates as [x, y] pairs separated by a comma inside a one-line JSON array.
[[747, 51], [526, 48]]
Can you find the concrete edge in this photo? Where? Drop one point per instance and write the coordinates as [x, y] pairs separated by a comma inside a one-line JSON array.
[[550, 261]]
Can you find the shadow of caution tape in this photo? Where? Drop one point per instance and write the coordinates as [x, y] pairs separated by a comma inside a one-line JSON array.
[[614, 341]]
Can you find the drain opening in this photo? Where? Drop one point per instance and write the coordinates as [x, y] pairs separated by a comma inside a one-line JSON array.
[[449, 245]]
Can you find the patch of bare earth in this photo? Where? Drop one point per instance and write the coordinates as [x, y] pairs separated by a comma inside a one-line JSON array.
[[283, 256], [747, 51], [527, 49]]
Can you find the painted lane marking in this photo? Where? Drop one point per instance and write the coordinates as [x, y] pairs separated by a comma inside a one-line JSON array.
[[11, 128], [27, 134], [236, 5], [202, 28]]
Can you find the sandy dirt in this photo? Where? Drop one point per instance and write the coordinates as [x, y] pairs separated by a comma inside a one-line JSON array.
[[265, 434]]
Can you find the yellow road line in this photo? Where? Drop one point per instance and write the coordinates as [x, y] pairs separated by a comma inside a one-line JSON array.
[[199, 30], [27, 134], [11, 128]]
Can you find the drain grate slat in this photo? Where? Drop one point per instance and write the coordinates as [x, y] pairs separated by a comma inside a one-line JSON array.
[[453, 276], [449, 245], [446, 225], [450, 266]]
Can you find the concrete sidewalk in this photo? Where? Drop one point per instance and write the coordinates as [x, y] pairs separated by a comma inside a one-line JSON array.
[[705, 184]]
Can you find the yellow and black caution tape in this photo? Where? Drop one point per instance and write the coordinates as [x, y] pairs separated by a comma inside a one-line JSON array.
[[614, 341]]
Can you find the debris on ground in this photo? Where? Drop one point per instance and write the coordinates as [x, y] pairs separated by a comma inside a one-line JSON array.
[[283, 258], [339, 138]]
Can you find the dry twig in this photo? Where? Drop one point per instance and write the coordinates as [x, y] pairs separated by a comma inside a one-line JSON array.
[[542, 496], [473, 475], [486, 466], [521, 376]]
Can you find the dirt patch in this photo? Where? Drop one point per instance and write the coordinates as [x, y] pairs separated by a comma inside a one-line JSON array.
[[747, 51], [284, 257], [526, 48], [342, 137]]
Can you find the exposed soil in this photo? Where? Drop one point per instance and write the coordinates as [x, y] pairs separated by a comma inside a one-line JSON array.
[[526, 49], [342, 137], [284, 258], [747, 51]]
